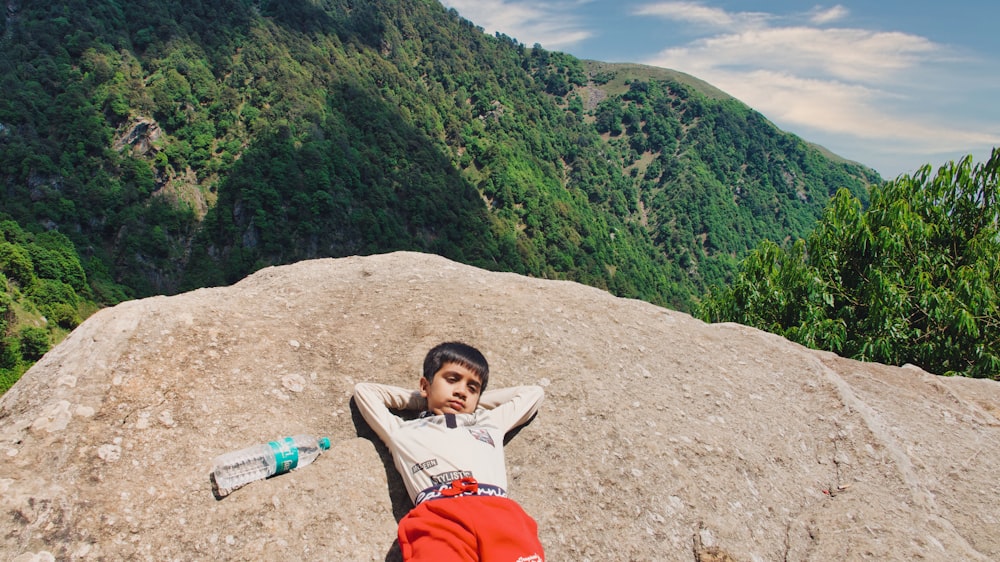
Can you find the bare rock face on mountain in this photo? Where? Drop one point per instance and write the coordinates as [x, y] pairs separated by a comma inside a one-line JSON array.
[[661, 437]]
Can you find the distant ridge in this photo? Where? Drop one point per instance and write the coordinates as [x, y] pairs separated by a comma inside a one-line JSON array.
[[624, 72], [629, 71]]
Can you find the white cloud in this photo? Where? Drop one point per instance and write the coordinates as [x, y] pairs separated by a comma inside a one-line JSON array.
[[822, 16], [851, 54], [689, 12], [699, 14], [550, 24]]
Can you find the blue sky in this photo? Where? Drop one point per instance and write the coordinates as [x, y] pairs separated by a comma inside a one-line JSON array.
[[892, 84]]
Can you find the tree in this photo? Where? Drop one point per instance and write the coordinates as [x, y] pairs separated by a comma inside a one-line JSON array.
[[912, 279]]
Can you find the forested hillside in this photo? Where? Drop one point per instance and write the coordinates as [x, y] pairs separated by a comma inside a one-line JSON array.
[[176, 144]]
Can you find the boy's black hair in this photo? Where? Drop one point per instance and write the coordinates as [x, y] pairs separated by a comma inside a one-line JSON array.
[[461, 354]]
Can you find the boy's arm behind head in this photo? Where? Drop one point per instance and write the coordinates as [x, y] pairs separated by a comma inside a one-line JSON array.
[[375, 400], [512, 406]]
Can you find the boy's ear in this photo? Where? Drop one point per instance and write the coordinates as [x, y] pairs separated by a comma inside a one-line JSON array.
[[424, 385]]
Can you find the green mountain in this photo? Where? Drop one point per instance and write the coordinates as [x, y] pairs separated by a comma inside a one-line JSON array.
[[183, 144]]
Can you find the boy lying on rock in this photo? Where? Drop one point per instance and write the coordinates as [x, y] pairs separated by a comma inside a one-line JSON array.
[[452, 461]]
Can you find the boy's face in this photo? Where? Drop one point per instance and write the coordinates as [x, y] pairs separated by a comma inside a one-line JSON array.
[[454, 390]]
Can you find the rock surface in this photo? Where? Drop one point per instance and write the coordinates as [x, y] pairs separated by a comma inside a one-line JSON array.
[[661, 437]]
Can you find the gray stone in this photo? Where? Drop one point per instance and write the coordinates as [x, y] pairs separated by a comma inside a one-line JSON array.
[[661, 437]]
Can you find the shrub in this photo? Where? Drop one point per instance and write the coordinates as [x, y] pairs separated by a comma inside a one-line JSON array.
[[34, 342], [16, 264]]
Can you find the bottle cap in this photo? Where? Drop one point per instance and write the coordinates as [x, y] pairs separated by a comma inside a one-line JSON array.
[[324, 443]]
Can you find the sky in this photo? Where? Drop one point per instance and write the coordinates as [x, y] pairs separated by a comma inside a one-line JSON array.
[[892, 84]]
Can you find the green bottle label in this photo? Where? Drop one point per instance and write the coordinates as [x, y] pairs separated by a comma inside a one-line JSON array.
[[286, 454]]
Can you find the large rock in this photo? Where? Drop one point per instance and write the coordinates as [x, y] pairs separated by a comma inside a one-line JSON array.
[[661, 437]]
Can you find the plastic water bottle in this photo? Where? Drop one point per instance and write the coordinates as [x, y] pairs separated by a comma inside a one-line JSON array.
[[238, 468]]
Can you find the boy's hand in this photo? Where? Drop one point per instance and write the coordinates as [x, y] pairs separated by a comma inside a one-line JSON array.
[[417, 402]]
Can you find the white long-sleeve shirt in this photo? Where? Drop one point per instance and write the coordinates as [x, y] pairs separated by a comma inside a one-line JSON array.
[[436, 449]]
